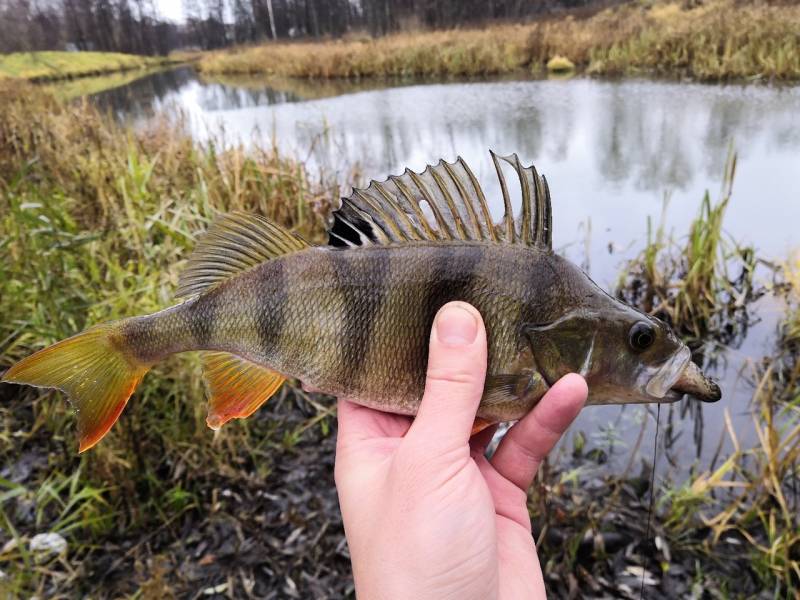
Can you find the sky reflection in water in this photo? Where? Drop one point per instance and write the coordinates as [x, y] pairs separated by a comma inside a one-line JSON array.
[[611, 152]]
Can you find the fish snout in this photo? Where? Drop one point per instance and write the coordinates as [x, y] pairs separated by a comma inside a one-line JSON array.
[[692, 381]]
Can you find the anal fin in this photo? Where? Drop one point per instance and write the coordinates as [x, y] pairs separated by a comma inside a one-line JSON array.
[[479, 425], [237, 387]]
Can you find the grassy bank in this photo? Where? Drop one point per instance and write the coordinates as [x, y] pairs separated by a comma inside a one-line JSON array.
[[96, 221], [53, 65], [715, 40]]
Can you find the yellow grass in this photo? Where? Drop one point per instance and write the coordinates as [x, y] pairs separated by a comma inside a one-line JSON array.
[[464, 52], [719, 39]]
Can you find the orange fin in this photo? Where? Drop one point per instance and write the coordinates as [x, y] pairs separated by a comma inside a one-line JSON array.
[[479, 425], [237, 387], [94, 372]]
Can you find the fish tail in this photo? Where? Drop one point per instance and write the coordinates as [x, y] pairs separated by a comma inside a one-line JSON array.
[[95, 369]]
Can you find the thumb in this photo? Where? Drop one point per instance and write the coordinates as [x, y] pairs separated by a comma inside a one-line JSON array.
[[454, 382]]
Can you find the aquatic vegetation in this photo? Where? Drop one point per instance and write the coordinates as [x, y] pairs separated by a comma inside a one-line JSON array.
[[714, 40], [54, 65], [790, 331], [701, 285], [749, 503]]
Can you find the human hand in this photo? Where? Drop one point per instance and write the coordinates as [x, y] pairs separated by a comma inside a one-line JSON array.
[[426, 515]]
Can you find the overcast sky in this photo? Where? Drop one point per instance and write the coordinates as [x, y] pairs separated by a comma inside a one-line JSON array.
[[171, 9]]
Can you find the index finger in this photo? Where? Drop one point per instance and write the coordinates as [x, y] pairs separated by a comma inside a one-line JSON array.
[[527, 443]]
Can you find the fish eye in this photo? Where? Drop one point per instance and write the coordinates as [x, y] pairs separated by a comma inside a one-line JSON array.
[[641, 336]]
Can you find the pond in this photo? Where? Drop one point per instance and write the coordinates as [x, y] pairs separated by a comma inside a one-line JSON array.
[[612, 152]]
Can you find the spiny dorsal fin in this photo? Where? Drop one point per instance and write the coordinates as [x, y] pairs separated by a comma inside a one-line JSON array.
[[234, 243], [444, 202], [237, 387]]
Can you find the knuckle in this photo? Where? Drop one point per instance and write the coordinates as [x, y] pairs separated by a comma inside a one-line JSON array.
[[527, 453], [453, 377]]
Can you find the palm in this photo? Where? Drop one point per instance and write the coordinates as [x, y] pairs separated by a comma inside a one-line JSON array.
[[491, 506]]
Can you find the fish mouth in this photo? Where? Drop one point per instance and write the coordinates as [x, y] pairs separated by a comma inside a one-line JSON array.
[[692, 381], [679, 376]]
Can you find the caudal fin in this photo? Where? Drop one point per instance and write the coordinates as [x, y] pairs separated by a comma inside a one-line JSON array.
[[93, 370]]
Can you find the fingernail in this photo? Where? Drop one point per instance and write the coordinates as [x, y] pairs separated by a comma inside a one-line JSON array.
[[456, 326]]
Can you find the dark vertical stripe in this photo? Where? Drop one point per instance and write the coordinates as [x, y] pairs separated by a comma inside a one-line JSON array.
[[452, 278], [204, 314], [362, 279], [274, 286]]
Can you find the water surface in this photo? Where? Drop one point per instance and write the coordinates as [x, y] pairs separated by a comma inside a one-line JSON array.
[[612, 152]]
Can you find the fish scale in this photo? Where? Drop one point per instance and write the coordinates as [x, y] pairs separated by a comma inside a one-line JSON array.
[[353, 318]]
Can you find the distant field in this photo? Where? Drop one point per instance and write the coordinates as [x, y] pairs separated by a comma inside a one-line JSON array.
[[713, 40], [43, 66]]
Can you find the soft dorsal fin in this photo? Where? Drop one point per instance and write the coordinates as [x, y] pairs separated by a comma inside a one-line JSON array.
[[444, 202], [237, 387], [234, 243]]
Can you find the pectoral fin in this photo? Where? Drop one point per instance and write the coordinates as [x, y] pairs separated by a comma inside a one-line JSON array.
[[509, 397]]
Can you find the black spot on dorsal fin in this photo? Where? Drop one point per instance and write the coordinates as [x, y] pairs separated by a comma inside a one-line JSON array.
[[443, 202]]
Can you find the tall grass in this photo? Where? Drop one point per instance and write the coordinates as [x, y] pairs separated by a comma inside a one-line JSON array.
[[468, 52], [713, 40], [95, 223], [702, 284]]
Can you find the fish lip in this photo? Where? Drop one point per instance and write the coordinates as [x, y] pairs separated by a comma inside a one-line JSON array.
[[660, 386], [692, 381]]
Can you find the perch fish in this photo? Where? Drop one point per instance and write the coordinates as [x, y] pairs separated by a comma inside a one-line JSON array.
[[352, 318]]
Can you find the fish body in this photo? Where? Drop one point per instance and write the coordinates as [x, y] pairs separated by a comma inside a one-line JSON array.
[[353, 318]]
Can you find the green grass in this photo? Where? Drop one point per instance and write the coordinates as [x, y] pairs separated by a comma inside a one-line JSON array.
[[53, 65], [96, 221]]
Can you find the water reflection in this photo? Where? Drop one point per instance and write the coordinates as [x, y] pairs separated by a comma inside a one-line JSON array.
[[611, 151]]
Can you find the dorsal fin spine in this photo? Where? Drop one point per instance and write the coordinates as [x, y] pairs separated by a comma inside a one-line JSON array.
[[508, 211], [461, 229], [478, 233], [385, 222], [548, 237], [395, 211], [410, 231], [540, 196], [487, 217], [414, 206], [527, 216], [443, 225]]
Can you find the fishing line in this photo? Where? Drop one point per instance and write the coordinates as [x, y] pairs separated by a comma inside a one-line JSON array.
[[652, 496]]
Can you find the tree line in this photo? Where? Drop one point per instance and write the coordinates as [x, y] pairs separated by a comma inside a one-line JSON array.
[[135, 26]]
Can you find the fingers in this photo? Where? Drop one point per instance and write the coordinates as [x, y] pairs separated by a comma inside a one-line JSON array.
[[454, 381], [527, 443], [360, 423], [479, 441]]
